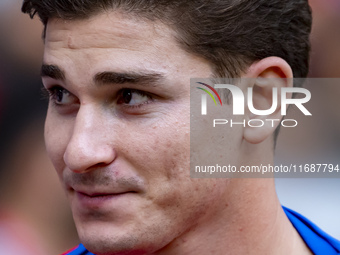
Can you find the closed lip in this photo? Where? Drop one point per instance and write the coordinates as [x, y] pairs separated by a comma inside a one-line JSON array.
[[99, 191], [101, 194], [98, 201]]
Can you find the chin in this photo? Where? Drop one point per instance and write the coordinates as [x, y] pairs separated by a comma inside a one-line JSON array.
[[105, 245], [106, 241]]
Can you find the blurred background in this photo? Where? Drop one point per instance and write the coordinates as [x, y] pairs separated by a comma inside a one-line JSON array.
[[34, 214], [35, 218], [317, 139]]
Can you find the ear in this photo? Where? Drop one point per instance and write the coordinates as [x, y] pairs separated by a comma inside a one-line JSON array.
[[265, 75]]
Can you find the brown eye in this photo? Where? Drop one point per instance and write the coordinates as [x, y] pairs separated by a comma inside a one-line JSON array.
[[127, 96], [61, 96], [132, 97]]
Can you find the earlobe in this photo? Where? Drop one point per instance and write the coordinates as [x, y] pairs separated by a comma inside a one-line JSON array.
[[266, 78]]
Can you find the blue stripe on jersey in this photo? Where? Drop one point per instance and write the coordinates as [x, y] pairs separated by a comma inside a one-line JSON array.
[[319, 242]]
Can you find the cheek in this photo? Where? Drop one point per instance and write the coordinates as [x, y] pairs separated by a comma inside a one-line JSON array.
[[166, 150], [163, 158], [166, 167], [56, 138]]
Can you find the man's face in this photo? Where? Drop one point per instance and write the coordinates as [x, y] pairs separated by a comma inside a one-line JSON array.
[[117, 131]]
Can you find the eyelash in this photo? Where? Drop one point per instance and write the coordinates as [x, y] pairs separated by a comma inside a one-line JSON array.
[[140, 93], [50, 93], [45, 93]]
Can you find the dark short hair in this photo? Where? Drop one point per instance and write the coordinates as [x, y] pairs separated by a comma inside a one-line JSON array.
[[230, 34]]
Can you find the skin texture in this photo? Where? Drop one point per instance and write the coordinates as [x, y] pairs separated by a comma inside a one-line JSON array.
[[125, 163]]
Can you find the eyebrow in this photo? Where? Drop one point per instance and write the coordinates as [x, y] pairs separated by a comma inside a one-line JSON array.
[[52, 71], [108, 77], [142, 78]]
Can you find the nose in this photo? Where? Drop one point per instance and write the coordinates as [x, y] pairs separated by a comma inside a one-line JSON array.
[[90, 145]]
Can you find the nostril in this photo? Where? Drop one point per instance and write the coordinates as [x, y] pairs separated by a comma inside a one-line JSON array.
[[99, 165]]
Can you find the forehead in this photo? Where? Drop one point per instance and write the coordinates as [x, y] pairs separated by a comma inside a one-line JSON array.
[[117, 42], [112, 40], [107, 30]]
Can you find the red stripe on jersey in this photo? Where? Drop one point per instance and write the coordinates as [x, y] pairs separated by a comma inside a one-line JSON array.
[[67, 252]]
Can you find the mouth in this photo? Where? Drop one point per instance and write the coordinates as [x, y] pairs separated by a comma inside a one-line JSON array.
[[97, 200], [101, 195]]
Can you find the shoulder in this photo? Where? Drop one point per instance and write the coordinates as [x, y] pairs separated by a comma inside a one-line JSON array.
[[316, 239], [78, 250]]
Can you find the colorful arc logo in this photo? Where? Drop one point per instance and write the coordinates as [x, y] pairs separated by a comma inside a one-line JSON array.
[[204, 97], [209, 93]]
